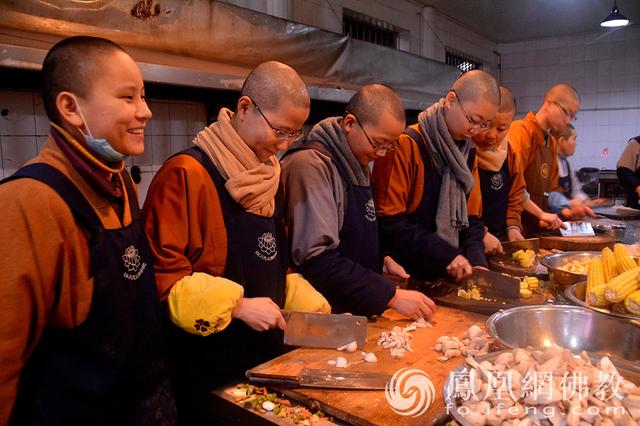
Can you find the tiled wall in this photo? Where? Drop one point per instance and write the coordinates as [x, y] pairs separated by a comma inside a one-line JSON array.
[[603, 67], [24, 128]]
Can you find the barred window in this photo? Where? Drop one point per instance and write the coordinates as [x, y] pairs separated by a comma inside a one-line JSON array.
[[461, 61], [366, 28]]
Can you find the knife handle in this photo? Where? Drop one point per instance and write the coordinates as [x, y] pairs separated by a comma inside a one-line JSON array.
[[275, 381]]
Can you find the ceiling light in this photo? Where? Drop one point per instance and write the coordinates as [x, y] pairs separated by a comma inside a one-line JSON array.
[[615, 18]]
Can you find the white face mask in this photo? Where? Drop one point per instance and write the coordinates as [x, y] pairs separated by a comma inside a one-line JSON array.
[[100, 147]]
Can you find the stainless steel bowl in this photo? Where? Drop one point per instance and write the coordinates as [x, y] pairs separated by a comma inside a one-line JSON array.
[[572, 327], [554, 262], [575, 294]]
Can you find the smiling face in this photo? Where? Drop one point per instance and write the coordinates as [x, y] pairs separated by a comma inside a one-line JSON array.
[[115, 108], [369, 141], [490, 138], [256, 127]]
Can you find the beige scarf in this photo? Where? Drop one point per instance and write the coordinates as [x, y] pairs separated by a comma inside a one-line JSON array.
[[250, 183], [492, 159]]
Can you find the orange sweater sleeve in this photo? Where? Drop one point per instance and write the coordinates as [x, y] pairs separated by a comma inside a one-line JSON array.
[[398, 179], [45, 276], [516, 191], [183, 220], [521, 141]]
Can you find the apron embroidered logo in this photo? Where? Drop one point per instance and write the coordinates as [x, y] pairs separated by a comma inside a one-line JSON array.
[[132, 263], [496, 182], [544, 170], [267, 249], [370, 209]]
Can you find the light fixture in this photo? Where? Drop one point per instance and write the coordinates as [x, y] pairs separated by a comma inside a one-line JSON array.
[[615, 18]]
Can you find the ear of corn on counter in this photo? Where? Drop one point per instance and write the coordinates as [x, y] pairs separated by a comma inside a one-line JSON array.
[[614, 278]]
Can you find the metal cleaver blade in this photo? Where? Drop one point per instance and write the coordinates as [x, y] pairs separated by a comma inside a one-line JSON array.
[[577, 229], [317, 330], [328, 379], [511, 247], [493, 284]]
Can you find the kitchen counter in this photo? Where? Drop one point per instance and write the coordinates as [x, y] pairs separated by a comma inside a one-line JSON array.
[[371, 407]]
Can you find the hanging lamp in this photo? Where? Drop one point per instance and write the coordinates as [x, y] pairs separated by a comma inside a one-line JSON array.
[[615, 18]]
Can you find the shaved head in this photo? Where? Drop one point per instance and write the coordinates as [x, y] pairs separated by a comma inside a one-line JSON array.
[[562, 93], [477, 84], [271, 82], [72, 65], [374, 100], [507, 100]]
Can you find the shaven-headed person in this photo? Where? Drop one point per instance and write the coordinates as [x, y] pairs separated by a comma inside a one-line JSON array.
[[331, 213], [213, 219], [536, 149], [501, 179], [428, 206], [81, 332]]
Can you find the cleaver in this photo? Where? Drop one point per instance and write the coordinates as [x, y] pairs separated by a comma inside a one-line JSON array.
[[493, 284], [318, 330], [329, 379], [511, 247], [577, 229]]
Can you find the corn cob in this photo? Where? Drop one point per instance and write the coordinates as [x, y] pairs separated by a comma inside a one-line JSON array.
[[595, 276], [632, 303], [623, 260], [623, 285], [609, 264], [595, 296]]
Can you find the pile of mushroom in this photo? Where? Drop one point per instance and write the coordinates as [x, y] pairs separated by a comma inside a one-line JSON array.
[[398, 340], [550, 401], [474, 341]]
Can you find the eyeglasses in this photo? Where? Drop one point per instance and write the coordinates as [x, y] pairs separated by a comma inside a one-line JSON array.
[[279, 133], [475, 124], [566, 112], [376, 147]]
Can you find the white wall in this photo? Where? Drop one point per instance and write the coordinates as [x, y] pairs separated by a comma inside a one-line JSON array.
[[24, 130], [606, 72]]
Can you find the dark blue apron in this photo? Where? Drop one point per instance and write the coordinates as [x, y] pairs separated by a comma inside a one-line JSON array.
[[425, 214], [565, 181], [359, 232], [257, 259], [112, 368], [632, 195], [495, 199]]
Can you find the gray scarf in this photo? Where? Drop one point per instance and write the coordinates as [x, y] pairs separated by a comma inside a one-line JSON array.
[[451, 161], [329, 133]]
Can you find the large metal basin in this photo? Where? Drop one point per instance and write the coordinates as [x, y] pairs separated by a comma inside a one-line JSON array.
[[575, 294], [572, 327], [554, 262]]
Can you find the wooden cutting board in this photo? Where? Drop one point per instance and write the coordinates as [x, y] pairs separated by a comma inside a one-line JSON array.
[[618, 213], [596, 243], [371, 407], [489, 307]]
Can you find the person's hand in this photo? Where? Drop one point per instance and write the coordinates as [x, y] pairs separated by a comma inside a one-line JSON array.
[[577, 212], [459, 268], [412, 304], [597, 202], [553, 221], [259, 313], [491, 244], [514, 234], [391, 267]]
